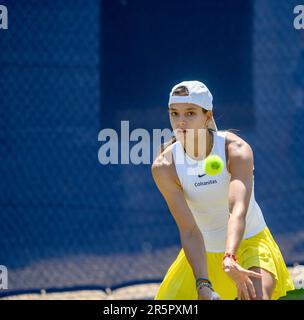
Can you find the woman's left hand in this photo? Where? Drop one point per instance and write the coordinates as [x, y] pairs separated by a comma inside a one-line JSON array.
[[241, 278]]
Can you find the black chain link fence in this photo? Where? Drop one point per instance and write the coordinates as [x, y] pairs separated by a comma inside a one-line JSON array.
[[70, 68]]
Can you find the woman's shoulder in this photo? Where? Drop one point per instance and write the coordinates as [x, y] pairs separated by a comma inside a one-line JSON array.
[[236, 147], [164, 159], [234, 141], [163, 165]]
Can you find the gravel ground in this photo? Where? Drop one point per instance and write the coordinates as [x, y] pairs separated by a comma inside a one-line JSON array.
[[136, 292]]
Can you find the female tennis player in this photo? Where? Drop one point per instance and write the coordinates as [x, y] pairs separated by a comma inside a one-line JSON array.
[[227, 250]]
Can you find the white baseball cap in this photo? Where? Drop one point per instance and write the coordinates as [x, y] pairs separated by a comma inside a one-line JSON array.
[[199, 94]]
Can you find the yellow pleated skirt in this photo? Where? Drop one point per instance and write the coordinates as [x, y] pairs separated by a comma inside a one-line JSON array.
[[258, 251]]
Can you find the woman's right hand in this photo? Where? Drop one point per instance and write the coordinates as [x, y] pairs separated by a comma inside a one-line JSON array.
[[205, 293]]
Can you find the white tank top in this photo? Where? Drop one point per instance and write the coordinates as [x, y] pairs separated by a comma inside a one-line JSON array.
[[207, 196]]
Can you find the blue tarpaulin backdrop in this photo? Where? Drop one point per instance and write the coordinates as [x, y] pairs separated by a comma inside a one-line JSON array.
[[71, 68]]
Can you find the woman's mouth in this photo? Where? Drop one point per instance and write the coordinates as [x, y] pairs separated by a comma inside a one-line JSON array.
[[184, 131]]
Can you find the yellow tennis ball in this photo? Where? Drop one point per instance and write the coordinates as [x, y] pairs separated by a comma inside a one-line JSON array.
[[213, 165]]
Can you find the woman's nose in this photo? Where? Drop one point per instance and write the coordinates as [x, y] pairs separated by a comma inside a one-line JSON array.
[[182, 123]]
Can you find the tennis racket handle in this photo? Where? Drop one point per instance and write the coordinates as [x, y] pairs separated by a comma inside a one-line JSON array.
[[215, 296]]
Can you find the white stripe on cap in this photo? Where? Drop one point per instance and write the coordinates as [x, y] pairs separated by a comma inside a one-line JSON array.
[[198, 94], [195, 99]]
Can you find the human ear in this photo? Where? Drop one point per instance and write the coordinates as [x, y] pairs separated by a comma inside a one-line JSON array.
[[209, 117]]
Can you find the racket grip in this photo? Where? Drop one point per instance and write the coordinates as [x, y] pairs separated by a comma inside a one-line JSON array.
[[215, 296]]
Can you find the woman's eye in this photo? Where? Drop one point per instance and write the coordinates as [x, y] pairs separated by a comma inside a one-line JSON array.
[[173, 113], [190, 113]]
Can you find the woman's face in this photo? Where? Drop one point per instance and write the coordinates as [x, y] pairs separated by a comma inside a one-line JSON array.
[[186, 119]]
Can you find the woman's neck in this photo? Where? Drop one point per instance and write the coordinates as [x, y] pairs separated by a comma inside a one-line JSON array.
[[201, 147]]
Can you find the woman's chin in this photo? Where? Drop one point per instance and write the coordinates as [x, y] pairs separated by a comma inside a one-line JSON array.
[[181, 136]]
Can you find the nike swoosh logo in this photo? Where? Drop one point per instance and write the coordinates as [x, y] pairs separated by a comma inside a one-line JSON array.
[[201, 175]]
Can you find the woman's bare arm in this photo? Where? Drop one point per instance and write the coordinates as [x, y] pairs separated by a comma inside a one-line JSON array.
[[166, 179], [241, 168]]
